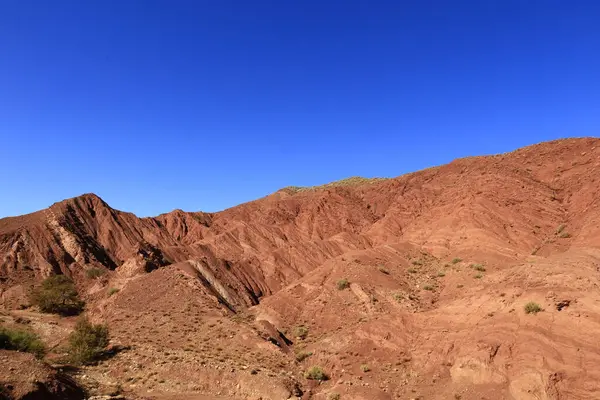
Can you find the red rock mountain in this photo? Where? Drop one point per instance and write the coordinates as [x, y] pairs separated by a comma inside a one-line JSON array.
[[523, 224]]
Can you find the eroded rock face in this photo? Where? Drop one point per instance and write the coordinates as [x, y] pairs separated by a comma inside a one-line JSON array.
[[22, 377]]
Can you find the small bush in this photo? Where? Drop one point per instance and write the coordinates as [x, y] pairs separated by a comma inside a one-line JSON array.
[[21, 340], [365, 368], [456, 260], [303, 355], [565, 235], [441, 274], [532, 308], [460, 286], [112, 291], [316, 373], [417, 262], [94, 273], [343, 284], [301, 332], [428, 287], [57, 295], [333, 396], [478, 276], [412, 271], [398, 297], [87, 342], [478, 267]]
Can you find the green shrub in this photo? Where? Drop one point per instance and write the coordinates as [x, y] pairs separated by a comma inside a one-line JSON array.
[[87, 342], [398, 297], [456, 260], [301, 332], [478, 267], [532, 308], [94, 272], [428, 287], [316, 373], [303, 355], [21, 340], [58, 295], [365, 368], [112, 291], [343, 284], [333, 396]]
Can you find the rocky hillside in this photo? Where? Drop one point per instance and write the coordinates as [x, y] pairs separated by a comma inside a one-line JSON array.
[[438, 264]]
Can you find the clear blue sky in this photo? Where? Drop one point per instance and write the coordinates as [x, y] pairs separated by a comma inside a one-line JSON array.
[[201, 105]]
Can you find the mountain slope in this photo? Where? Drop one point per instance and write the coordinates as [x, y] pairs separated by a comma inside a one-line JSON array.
[[439, 262], [508, 205]]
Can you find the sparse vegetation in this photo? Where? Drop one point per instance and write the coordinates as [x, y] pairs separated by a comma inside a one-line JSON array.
[[428, 287], [478, 267], [532, 308], [316, 373], [456, 260], [94, 273], [354, 180], [565, 235], [112, 291], [301, 332], [87, 342], [478, 276], [58, 295], [343, 284], [21, 340], [412, 271], [303, 355], [417, 262], [333, 396], [441, 274], [365, 368], [460, 286], [398, 297]]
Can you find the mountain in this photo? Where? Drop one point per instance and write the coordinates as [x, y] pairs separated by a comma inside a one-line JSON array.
[[438, 263]]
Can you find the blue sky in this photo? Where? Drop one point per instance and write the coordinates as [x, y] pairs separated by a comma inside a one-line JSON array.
[[202, 105]]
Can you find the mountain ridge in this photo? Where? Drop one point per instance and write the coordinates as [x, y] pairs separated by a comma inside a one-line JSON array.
[[179, 231]]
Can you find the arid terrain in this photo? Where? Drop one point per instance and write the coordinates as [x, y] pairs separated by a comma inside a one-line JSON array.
[[405, 288]]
